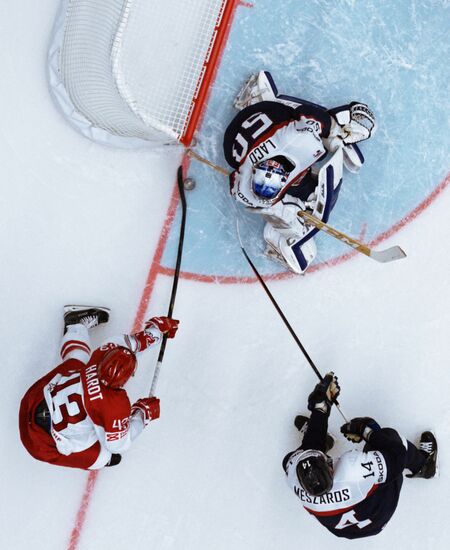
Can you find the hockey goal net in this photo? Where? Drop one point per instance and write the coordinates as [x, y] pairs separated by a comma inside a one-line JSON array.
[[134, 72]]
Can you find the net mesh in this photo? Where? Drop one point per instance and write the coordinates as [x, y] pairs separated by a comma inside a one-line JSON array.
[[135, 67]]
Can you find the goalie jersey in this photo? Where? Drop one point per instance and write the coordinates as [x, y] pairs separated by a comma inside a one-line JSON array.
[[366, 486], [271, 129]]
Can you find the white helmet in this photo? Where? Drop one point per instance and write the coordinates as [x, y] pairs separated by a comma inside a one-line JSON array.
[[268, 179]]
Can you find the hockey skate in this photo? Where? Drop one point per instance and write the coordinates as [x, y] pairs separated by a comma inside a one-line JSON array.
[[428, 447], [89, 316], [300, 422]]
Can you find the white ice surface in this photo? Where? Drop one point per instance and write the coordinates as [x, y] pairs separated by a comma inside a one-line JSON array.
[[80, 223]]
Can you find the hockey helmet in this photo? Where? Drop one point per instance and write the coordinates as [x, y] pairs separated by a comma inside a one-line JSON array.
[[116, 367], [315, 472], [269, 178]]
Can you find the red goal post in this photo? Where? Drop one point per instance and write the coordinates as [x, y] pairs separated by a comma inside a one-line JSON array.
[[136, 73]]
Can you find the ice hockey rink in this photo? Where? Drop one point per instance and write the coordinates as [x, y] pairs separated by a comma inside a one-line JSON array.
[[83, 223]]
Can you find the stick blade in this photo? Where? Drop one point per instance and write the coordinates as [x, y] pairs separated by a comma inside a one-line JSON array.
[[388, 255]]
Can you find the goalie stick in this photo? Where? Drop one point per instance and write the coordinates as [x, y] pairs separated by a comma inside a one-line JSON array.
[[283, 317], [388, 255], [191, 153], [175, 277]]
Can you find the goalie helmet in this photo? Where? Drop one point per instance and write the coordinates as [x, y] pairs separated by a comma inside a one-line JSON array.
[[268, 179], [116, 367], [315, 472]]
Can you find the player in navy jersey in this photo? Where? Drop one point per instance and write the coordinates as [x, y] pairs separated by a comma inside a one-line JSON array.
[[272, 145], [356, 494]]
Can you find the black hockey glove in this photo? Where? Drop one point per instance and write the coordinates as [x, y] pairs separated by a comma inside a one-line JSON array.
[[360, 428], [324, 394]]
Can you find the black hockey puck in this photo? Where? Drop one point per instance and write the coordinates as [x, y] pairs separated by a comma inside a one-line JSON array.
[[189, 184]]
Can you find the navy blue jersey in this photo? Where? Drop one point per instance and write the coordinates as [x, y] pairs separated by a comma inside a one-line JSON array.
[[366, 484], [272, 130], [257, 122]]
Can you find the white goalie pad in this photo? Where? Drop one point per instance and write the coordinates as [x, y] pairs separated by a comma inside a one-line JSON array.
[[257, 88], [283, 216], [329, 178], [291, 252], [261, 87], [289, 238], [353, 158]]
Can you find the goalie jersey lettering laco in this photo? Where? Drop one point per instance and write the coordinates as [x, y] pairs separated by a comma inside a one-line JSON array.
[[363, 497], [269, 129]]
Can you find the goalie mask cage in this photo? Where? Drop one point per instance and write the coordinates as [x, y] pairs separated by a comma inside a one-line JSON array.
[[136, 72]]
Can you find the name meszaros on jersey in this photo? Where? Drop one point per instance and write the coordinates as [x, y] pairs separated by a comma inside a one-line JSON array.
[[362, 499]]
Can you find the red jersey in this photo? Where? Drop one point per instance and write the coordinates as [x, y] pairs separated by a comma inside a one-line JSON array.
[[89, 422]]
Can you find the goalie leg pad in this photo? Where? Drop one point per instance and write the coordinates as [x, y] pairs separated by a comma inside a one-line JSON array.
[[283, 216], [293, 252], [353, 158], [259, 87]]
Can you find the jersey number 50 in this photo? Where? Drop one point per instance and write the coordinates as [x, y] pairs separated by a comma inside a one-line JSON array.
[[250, 130]]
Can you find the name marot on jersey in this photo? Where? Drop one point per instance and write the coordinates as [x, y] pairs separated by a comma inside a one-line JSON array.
[[259, 153], [93, 383]]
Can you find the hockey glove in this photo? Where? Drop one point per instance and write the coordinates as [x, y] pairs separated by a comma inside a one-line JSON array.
[[360, 428], [362, 124], [324, 394], [350, 124], [165, 325], [148, 407]]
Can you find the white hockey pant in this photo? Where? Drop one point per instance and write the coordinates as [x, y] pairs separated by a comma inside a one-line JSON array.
[[76, 344]]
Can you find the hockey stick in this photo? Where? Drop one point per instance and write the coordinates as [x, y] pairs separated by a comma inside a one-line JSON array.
[[175, 277], [191, 153], [388, 255], [281, 314]]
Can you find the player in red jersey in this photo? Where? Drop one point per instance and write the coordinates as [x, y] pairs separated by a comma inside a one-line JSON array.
[[78, 415]]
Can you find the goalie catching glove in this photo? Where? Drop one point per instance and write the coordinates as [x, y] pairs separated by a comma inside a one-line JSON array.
[[360, 428], [351, 124], [148, 407], [167, 326], [324, 394]]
